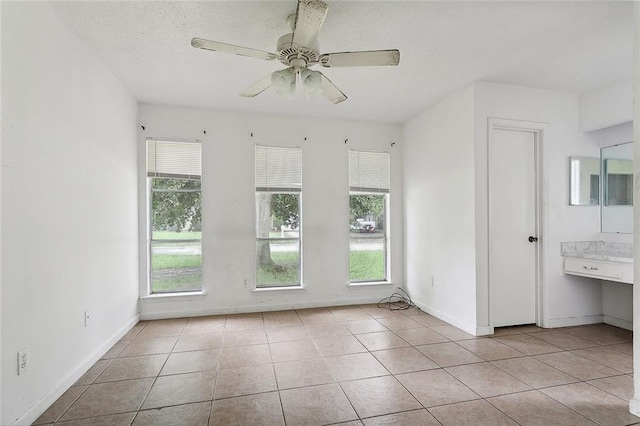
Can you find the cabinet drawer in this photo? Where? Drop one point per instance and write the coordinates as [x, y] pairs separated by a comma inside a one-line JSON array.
[[593, 268]]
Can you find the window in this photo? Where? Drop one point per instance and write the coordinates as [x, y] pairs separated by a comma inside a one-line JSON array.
[[278, 220], [369, 185], [174, 170]]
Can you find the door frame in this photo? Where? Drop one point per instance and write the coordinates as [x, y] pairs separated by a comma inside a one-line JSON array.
[[538, 129]]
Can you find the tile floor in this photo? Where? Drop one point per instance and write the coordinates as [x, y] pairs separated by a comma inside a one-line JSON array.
[[354, 365]]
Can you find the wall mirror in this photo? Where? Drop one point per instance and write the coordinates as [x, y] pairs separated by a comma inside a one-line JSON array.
[[584, 182], [617, 188]]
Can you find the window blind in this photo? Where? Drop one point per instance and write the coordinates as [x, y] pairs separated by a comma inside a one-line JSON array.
[[167, 159], [278, 169], [369, 171]]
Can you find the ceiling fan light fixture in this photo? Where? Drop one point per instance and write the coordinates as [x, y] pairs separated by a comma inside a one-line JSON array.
[[284, 81], [311, 80]]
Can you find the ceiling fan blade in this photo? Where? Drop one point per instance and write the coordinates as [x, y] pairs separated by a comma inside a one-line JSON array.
[[366, 58], [309, 19], [230, 48], [257, 88], [330, 91]]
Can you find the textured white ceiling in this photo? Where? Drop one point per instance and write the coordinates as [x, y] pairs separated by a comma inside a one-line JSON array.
[[566, 46]]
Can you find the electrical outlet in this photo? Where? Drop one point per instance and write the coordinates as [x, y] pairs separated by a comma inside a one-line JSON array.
[[87, 317], [244, 282], [23, 361], [432, 280]]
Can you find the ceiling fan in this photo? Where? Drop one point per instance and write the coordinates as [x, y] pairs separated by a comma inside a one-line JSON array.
[[299, 50]]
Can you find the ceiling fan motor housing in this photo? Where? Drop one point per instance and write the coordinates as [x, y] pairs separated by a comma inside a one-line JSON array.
[[288, 51]]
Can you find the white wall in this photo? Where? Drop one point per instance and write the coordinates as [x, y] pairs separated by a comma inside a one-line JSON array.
[[568, 300], [69, 199], [634, 404], [439, 209], [228, 209], [618, 98]]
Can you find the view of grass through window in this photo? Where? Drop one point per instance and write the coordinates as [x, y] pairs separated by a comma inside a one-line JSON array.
[[367, 245], [176, 247]]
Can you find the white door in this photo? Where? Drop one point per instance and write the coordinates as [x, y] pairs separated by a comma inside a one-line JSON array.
[[512, 221]]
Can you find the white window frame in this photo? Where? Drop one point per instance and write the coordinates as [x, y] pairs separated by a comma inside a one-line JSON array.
[[169, 159], [278, 170], [370, 174]]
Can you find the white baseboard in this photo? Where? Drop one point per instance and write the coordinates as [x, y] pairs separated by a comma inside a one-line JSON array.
[[484, 330], [618, 322], [145, 316], [569, 322], [47, 400], [471, 329], [634, 407]]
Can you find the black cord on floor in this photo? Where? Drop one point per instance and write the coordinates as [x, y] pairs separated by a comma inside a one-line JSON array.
[[397, 301]]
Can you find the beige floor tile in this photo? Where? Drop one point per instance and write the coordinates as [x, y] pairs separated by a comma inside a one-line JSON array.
[[58, 408], [333, 346], [281, 319], [245, 381], [293, 351], [436, 387], [181, 389], [189, 414], [527, 344], [123, 419], [626, 348], [323, 331], [349, 313], [190, 362], [239, 356], [412, 311], [109, 398], [609, 357], [378, 396], [489, 349], [577, 366], [381, 340], [149, 346], [620, 386], [135, 330], [451, 332], [562, 340], [428, 320], [535, 408], [380, 312], [399, 322], [251, 410], [136, 367], [316, 405], [448, 354], [408, 418], [93, 372], [369, 325], [351, 423], [205, 325], [404, 360], [316, 316], [505, 331], [163, 328], [244, 322], [420, 336], [287, 334], [487, 380], [534, 373], [244, 337], [308, 372], [198, 342], [115, 349], [601, 334], [471, 413], [355, 366], [593, 403]]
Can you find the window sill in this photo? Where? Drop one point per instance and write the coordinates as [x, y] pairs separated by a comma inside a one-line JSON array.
[[267, 289], [169, 297], [369, 284]]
